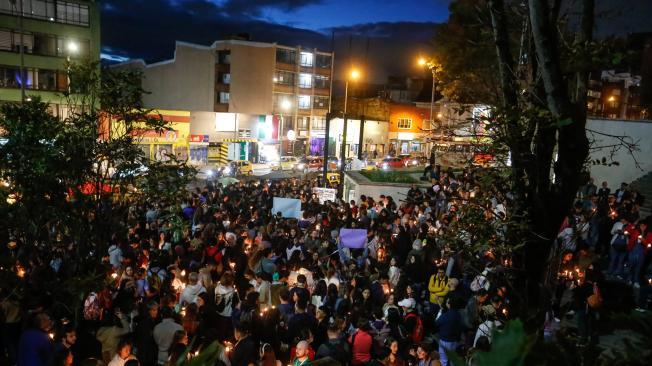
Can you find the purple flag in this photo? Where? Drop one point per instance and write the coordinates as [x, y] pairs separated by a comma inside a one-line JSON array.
[[353, 238]]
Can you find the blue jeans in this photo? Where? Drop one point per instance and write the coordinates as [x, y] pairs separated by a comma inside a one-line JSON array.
[[617, 261], [636, 259], [443, 347]]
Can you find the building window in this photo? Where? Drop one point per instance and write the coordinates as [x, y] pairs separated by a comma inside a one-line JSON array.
[[224, 97], [321, 82], [37, 9], [285, 56], [224, 57], [47, 80], [306, 59], [319, 123], [41, 44], [323, 61], [284, 78], [37, 79], [72, 13], [224, 78], [320, 102], [305, 81], [304, 101], [404, 123], [281, 101], [302, 123]]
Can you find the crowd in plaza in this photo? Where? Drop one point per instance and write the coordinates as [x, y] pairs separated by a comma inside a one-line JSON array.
[[277, 291]]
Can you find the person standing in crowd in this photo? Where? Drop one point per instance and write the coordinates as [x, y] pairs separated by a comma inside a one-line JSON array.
[[163, 334], [449, 329], [35, 347], [242, 276]]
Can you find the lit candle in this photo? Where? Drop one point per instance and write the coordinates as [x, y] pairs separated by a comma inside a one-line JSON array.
[[232, 265], [114, 275], [183, 273], [505, 311], [51, 335]]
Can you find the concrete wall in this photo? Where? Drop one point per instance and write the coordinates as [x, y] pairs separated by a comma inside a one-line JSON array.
[[252, 74], [356, 185], [639, 132], [204, 123], [187, 82]]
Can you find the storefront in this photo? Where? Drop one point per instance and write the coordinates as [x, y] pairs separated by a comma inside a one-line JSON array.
[[406, 143], [198, 146]]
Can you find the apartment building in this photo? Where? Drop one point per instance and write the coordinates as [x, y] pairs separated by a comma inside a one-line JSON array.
[[38, 36], [258, 99]]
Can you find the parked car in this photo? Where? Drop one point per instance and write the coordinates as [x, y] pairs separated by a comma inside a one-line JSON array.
[[409, 160], [288, 163], [391, 163], [241, 167]]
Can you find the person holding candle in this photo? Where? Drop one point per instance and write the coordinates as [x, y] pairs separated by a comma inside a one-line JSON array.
[[620, 235], [640, 243]]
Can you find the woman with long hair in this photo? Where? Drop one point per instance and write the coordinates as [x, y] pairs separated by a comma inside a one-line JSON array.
[[268, 356]]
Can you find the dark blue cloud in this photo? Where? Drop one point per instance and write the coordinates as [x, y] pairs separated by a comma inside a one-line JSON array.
[[148, 29]]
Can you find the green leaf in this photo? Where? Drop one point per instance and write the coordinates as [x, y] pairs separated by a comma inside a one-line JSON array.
[[508, 348]]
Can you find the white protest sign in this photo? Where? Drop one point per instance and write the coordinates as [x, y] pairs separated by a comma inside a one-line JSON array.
[[288, 207], [325, 194]]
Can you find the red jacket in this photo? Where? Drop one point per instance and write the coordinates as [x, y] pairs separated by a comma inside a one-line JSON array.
[[361, 343], [645, 240]]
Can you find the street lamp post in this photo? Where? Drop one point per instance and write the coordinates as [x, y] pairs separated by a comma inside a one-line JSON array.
[[285, 106], [432, 66], [355, 74]]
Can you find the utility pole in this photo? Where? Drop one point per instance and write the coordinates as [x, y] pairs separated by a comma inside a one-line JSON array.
[[329, 116], [361, 137], [21, 50]]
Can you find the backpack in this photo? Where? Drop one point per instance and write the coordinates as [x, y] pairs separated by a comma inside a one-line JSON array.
[[224, 300], [620, 243], [479, 282], [595, 300], [417, 333], [92, 308]]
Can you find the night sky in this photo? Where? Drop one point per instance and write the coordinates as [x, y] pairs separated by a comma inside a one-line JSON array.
[[383, 37]]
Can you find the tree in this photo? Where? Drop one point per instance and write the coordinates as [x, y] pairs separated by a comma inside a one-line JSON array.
[[537, 81], [70, 182]]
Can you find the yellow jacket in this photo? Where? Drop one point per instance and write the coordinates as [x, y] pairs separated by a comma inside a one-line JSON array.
[[438, 289]]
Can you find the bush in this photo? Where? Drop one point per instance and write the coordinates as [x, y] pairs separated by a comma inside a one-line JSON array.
[[388, 177]]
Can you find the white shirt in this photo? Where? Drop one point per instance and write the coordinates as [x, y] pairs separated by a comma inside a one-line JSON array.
[[190, 293], [115, 256], [117, 361], [486, 329]]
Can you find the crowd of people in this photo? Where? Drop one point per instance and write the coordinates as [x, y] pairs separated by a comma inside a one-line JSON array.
[[605, 239], [275, 291]]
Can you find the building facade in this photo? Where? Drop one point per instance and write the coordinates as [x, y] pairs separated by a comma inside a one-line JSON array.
[[261, 99], [41, 35]]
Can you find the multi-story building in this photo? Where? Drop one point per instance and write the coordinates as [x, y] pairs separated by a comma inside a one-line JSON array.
[[257, 99], [38, 36]]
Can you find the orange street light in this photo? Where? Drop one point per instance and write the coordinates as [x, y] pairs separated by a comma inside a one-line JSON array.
[[355, 74]]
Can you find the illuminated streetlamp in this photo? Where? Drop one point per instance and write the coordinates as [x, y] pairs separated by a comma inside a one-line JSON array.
[[73, 47], [433, 66]]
